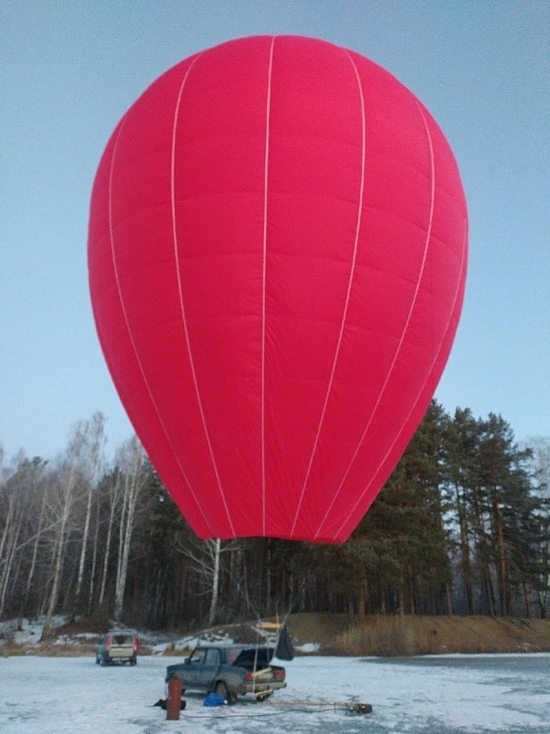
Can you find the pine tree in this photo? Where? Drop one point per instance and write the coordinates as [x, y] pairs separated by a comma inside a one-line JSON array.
[[402, 540]]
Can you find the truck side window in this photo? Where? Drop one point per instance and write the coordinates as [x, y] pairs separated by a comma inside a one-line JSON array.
[[197, 657], [212, 657]]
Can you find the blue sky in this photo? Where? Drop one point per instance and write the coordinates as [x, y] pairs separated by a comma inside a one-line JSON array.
[[69, 70]]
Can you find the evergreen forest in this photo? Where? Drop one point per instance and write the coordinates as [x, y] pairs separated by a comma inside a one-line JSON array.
[[461, 527]]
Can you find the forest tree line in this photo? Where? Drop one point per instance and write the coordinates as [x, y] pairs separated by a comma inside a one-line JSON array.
[[461, 527]]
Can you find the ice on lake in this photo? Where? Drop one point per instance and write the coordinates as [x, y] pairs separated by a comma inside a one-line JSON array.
[[498, 694]]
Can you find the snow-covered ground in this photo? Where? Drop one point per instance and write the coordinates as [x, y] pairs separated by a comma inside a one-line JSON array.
[[501, 694]]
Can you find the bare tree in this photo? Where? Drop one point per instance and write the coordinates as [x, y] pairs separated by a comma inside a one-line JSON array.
[[8, 544], [95, 550], [35, 540], [93, 436], [17, 500], [114, 485], [63, 496], [205, 557], [132, 462]]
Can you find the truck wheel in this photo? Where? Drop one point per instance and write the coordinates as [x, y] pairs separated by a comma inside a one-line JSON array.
[[263, 697], [223, 691]]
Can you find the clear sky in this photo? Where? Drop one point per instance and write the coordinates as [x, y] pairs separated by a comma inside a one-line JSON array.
[[69, 69]]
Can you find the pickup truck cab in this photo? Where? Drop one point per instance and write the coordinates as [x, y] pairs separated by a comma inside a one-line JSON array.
[[230, 671]]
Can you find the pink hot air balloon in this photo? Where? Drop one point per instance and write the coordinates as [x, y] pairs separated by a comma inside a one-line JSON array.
[[277, 257]]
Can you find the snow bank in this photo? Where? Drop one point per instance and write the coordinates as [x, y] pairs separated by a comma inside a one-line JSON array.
[[24, 631]]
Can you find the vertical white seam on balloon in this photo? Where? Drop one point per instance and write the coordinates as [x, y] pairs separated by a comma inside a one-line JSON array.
[[403, 333], [460, 281], [348, 296], [180, 293], [264, 279], [127, 323]]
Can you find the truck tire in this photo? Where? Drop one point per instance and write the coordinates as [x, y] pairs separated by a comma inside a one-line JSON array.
[[222, 690]]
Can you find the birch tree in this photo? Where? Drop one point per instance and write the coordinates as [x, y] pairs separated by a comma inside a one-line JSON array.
[[113, 486], [205, 557], [133, 466], [35, 541], [63, 496], [17, 499], [93, 436]]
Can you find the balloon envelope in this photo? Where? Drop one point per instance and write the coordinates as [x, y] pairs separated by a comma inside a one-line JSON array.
[[277, 256]]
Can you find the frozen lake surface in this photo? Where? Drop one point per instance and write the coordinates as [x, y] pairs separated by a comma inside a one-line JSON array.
[[504, 694]]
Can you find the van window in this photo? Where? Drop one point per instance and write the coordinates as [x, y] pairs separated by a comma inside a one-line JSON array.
[[122, 639]]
